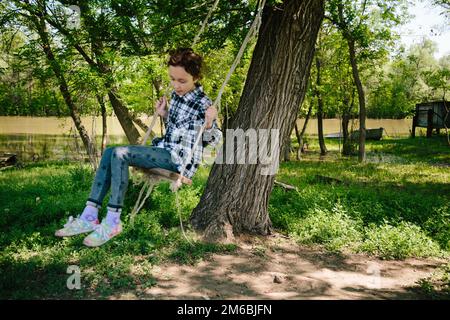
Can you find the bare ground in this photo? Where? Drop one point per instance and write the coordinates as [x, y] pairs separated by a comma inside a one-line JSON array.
[[277, 268]]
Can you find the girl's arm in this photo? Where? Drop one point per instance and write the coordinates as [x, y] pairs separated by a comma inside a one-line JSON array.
[[212, 134], [210, 116], [161, 107]]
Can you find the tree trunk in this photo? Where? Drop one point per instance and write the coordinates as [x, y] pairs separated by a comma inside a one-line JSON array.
[[104, 69], [300, 142], [39, 23], [124, 117], [346, 143], [323, 148], [300, 136], [101, 102], [236, 196], [287, 149], [121, 111], [362, 102]]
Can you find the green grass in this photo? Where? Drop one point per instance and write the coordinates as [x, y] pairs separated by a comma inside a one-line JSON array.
[[394, 206], [436, 286], [37, 200]]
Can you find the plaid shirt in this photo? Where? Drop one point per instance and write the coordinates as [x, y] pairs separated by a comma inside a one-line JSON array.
[[185, 118]]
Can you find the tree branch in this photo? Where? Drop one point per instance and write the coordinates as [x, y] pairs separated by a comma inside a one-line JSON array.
[[71, 39]]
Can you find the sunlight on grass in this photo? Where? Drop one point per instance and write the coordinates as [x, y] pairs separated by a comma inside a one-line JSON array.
[[394, 206]]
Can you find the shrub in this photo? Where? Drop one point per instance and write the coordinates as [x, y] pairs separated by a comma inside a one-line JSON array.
[[334, 229], [398, 242]]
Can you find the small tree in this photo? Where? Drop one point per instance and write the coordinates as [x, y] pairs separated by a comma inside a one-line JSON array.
[[365, 25]]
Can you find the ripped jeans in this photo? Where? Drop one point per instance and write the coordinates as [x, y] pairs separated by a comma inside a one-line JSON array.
[[113, 171]]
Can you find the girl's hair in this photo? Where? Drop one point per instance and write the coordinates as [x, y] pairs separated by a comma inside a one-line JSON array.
[[188, 59]]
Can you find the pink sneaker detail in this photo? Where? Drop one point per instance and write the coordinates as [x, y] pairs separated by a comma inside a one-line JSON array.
[[102, 233], [76, 226]]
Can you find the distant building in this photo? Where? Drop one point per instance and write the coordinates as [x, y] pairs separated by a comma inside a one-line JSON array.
[[431, 115]]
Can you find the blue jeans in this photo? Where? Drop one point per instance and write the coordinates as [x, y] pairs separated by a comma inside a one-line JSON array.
[[113, 171]]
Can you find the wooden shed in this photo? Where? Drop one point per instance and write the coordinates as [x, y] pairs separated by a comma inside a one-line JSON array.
[[431, 115]]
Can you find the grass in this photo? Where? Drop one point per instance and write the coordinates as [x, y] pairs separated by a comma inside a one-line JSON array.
[[437, 286], [37, 200], [394, 192], [394, 206]]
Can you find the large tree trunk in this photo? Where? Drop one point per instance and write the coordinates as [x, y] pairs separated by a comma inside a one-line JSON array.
[[323, 148], [236, 197], [362, 102]]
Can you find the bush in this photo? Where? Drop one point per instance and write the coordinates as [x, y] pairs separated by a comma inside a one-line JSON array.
[[334, 229], [81, 176], [398, 242]]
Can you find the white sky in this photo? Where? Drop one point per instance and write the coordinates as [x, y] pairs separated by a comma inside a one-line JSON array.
[[428, 22]]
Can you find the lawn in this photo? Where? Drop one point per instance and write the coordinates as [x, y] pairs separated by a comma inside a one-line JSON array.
[[394, 206]]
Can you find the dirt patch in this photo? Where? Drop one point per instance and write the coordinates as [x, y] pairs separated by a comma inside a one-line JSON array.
[[277, 268]]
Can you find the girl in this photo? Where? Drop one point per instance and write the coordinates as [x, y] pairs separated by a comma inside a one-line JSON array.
[[188, 111]]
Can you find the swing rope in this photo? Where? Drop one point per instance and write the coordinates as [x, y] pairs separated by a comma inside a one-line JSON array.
[[211, 10], [147, 184], [175, 185]]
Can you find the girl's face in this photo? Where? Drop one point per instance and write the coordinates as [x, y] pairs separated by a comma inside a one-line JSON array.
[[182, 81]]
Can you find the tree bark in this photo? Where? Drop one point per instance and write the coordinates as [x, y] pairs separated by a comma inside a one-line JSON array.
[[124, 117], [157, 84], [323, 148], [346, 143], [101, 102], [362, 101], [302, 133], [236, 196], [287, 149]]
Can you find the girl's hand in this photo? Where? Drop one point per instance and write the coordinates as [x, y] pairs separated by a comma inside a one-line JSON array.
[[210, 115], [160, 107]]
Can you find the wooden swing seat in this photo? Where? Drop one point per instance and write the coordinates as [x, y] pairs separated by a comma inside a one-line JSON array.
[[157, 174]]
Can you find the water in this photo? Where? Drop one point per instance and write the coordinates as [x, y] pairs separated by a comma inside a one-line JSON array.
[[51, 138], [60, 126], [392, 127], [36, 147]]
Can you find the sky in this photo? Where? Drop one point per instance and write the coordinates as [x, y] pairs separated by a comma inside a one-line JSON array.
[[427, 22]]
